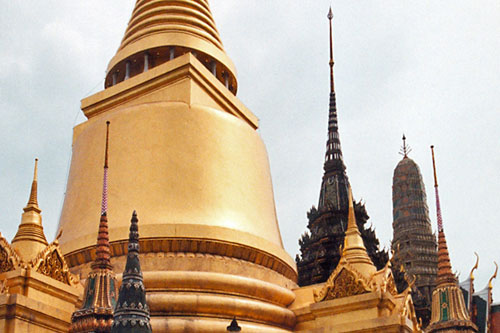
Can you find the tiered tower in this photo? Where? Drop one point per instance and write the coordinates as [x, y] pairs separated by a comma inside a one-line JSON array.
[[187, 155], [413, 242], [319, 249], [101, 287], [449, 313], [132, 312]]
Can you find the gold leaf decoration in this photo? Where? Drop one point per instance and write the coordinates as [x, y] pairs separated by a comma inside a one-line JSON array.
[[343, 282], [346, 284], [52, 266], [9, 259], [50, 262], [5, 262]]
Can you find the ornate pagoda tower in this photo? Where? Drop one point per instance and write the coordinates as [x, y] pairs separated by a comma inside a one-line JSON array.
[[187, 155], [449, 313], [319, 247], [413, 242]]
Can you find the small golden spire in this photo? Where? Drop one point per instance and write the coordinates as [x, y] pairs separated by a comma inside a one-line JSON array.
[[354, 249], [33, 200], [30, 239]]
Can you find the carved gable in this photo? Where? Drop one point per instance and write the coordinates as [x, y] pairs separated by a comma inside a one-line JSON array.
[[9, 259], [343, 282], [50, 262]]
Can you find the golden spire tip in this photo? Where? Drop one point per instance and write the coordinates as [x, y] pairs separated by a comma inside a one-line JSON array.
[[33, 199], [35, 174]]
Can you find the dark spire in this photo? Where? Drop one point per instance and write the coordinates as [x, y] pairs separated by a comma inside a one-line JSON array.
[[132, 312], [334, 187], [99, 299]]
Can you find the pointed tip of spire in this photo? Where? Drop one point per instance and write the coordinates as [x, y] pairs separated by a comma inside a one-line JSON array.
[[33, 199], [35, 173], [405, 149], [330, 13], [351, 219], [434, 167]]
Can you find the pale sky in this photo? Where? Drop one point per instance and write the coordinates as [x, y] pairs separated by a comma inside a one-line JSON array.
[[430, 69]]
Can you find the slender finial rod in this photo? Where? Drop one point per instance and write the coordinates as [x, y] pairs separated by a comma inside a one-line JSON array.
[[438, 204], [434, 167], [330, 18], [35, 173], [107, 145], [104, 203]]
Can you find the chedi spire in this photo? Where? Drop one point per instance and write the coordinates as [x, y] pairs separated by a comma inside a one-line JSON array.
[[30, 239], [448, 307], [99, 299], [132, 312]]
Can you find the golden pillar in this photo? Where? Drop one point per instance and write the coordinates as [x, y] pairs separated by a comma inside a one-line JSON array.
[[186, 155]]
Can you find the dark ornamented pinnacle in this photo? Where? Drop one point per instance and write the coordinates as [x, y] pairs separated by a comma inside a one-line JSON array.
[[131, 311], [328, 222]]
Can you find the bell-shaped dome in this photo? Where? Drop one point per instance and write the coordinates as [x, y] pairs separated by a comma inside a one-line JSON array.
[[161, 30]]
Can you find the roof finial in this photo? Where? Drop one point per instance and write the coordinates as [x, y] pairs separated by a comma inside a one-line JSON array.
[[471, 284], [490, 284], [104, 204], [405, 149], [330, 18]]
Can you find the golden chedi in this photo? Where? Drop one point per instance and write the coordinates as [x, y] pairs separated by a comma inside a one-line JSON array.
[[37, 291], [187, 156]]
